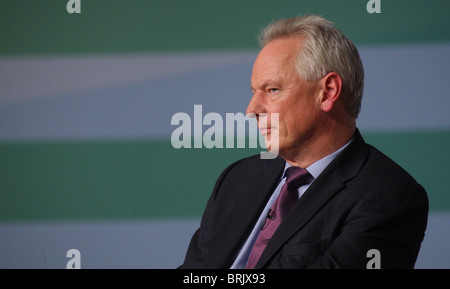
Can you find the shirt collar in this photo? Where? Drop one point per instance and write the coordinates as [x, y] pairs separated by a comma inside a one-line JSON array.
[[315, 169]]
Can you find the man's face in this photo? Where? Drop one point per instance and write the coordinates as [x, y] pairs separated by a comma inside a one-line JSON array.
[[277, 88]]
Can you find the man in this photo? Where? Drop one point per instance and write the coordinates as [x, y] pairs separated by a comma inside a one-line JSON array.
[[351, 201]]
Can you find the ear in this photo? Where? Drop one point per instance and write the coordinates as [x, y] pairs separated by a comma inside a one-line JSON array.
[[331, 85]]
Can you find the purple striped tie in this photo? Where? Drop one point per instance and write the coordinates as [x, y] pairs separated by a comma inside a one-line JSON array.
[[295, 177]]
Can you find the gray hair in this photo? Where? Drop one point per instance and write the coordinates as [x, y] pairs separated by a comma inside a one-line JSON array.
[[325, 49]]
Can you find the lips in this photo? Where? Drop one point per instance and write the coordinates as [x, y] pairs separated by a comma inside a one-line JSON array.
[[267, 124], [265, 131]]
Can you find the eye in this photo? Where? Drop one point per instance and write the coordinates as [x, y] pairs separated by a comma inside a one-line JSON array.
[[273, 90]]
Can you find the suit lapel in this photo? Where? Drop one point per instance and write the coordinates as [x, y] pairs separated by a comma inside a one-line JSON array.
[[247, 209], [329, 183]]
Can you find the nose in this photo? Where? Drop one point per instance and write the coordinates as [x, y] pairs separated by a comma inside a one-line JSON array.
[[256, 106]]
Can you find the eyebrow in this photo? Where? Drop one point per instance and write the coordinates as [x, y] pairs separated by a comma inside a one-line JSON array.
[[267, 83]]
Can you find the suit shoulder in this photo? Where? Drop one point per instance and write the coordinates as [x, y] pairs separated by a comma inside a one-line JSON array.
[[379, 159], [384, 168]]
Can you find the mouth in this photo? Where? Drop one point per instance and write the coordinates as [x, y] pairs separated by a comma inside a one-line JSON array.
[[268, 124], [265, 131]]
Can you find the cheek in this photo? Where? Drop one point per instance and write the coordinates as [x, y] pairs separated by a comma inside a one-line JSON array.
[[298, 121], [288, 126], [296, 115]]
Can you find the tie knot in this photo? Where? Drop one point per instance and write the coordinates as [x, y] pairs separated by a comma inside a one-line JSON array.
[[295, 176]]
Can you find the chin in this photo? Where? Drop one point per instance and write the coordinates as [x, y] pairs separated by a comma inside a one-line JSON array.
[[273, 146]]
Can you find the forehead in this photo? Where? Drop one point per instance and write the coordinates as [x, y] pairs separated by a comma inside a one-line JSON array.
[[276, 59], [281, 47]]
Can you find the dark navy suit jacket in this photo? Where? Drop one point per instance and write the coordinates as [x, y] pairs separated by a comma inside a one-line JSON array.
[[361, 201]]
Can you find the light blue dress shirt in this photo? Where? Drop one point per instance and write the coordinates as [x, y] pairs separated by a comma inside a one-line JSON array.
[[315, 170]]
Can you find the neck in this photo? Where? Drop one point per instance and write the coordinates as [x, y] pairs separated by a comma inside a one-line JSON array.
[[325, 141]]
